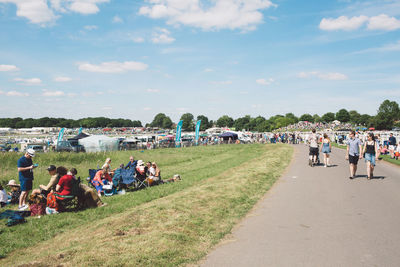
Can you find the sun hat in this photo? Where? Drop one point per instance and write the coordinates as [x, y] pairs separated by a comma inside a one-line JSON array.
[[51, 168], [140, 162], [31, 152], [12, 183]]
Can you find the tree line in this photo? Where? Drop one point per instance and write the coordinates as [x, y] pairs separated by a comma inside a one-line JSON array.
[[387, 117], [97, 122]]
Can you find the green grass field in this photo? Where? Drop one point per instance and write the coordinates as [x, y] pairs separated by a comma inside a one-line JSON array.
[[167, 225]]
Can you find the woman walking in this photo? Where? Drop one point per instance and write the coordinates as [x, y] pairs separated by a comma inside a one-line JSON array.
[[371, 154], [326, 148]]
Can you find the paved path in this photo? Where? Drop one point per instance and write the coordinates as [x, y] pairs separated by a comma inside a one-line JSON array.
[[318, 217]]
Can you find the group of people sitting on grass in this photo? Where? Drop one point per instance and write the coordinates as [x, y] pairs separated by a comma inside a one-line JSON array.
[[107, 178]]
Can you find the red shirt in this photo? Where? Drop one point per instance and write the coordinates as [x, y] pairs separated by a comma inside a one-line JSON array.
[[98, 175], [66, 185]]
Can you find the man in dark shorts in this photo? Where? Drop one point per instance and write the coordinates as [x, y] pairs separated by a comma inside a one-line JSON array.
[[25, 171], [313, 141], [353, 153]]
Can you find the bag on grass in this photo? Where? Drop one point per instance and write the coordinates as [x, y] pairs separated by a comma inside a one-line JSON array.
[[15, 219], [52, 201]]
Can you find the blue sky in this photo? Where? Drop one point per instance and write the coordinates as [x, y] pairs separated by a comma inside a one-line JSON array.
[[134, 59]]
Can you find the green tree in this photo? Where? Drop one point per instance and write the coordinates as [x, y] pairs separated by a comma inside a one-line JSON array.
[[343, 115], [225, 121], [292, 118], [328, 117], [364, 119], [188, 123], [354, 117], [158, 120], [242, 123], [388, 113], [205, 124], [317, 118], [306, 117], [166, 123]]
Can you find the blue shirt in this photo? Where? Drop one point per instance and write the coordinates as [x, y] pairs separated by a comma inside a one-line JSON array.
[[22, 163], [392, 141], [354, 145], [131, 165]]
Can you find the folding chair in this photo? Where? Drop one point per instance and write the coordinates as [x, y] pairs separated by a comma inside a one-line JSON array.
[[70, 202], [92, 174], [141, 181]]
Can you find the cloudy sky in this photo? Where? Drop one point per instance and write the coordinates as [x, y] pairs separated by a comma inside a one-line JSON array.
[[134, 59]]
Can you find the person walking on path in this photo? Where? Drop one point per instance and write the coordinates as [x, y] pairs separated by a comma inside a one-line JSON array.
[[25, 171], [313, 142], [353, 153], [326, 148], [371, 154], [392, 145]]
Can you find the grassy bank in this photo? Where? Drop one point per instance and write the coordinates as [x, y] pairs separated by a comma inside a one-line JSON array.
[[167, 225], [384, 157]]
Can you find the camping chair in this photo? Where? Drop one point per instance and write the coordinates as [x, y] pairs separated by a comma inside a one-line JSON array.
[[141, 181], [92, 174], [70, 202]]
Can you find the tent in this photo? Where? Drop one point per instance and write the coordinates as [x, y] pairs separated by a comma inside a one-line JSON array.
[[99, 143], [228, 135], [79, 136]]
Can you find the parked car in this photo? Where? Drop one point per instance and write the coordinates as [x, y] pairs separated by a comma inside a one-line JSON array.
[[64, 146], [37, 148]]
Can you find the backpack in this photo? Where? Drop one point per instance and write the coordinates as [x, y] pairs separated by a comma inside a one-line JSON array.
[[52, 201]]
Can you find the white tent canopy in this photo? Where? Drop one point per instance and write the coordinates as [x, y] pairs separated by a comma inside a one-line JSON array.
[[99, 143]]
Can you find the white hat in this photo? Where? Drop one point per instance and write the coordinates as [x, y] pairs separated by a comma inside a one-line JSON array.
[[140, 162], [31, 152], [12, 183]]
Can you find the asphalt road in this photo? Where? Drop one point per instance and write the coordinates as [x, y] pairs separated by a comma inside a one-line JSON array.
[[316, 216]]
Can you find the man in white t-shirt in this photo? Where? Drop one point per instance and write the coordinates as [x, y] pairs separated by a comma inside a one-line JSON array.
[[313, 141]]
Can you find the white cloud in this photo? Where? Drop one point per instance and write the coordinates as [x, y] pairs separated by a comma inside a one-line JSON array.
[[113, 67], [117, 19], [52, 93], [162, 36], [13, 93], [106, 108], [222, 82], [42, 12], [342, 23], [85, 6], [32, 81], [62, 79], [332, 76], [265, 82], [208, 70], [146, 108], [153, 90], [208, 15], [8, 68], [385, 48], [36, 11], [383, 22], [90, 27], [138, 39]]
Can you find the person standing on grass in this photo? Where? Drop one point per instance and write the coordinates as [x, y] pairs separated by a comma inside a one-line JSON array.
[[25, 171], [392, 145], [371, 154], [353, 153], [313, 142], [326, 148]]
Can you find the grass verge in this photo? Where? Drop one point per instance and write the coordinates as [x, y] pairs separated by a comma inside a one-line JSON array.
[[168, 225]]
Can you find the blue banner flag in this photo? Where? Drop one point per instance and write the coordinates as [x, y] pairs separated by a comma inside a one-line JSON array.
[[197, 131], [178, 134], [60, 135], [80, 130]]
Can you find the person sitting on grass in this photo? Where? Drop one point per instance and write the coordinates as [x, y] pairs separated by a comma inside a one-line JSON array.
[[100, 179], [107, 165], [64, 186], [3, 196], [51, 186], [141, 170], [132, 163], [15, 191], [397, 152], [154, 176]]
